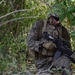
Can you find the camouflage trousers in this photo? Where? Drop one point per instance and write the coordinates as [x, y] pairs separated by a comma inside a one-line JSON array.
[[62, 63]]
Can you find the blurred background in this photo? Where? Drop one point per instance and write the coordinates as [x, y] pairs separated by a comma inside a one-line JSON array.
[[16, 19]]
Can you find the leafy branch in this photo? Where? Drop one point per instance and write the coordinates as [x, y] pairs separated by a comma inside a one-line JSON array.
[[17, 19]]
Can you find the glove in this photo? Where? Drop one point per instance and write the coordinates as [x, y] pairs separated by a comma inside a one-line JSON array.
[[49, 45]]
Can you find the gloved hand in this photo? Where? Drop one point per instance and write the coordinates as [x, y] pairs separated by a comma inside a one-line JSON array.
[[49, 45]]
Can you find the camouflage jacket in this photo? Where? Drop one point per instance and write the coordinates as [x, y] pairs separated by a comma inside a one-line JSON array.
[[35, 39]]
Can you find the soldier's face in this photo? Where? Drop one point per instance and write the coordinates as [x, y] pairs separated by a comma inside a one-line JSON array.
[[53, 21]]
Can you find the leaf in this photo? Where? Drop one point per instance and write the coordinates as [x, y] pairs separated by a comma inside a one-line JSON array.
[[62, 15], [69, 2], [64, 2], [71, 9], [58, 5], [73, 34], [73, 23], [70, 16], [9, 72]]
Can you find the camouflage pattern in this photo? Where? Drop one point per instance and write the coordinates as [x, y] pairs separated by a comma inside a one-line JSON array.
[[43, 58], [63, 63]]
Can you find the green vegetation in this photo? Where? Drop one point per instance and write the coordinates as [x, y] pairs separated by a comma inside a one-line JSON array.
[[16, 19]]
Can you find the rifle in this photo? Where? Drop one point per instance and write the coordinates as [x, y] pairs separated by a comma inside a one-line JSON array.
[[62, 48]]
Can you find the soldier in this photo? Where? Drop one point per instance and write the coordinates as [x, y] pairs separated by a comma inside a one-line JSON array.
[[44, 56]]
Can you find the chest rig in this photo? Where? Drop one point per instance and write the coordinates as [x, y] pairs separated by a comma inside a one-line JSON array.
[[54, 31]]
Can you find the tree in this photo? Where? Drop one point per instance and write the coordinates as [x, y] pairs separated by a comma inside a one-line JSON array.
[[16, 19]]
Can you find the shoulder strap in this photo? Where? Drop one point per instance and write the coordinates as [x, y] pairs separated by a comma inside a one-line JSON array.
[[44, 27], [59, 28], [60, 31]]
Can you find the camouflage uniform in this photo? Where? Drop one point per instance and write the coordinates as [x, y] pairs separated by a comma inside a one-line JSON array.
[[43, 57]]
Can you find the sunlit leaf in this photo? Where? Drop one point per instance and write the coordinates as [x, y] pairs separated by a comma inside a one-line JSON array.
[[73, 34]]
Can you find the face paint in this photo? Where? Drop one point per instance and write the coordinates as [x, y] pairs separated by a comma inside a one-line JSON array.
[[53, 20]]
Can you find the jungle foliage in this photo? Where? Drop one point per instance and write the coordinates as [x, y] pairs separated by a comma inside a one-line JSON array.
[[16, 19]]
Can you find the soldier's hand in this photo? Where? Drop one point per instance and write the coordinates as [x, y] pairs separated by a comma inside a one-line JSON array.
[[49, 45]]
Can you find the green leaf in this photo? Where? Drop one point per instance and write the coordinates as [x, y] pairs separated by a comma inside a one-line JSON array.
[[64, 2], [70, 16], [69, 2], [71, 9], [73, 23], [59, 6], [73, 34], [62, 15]]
